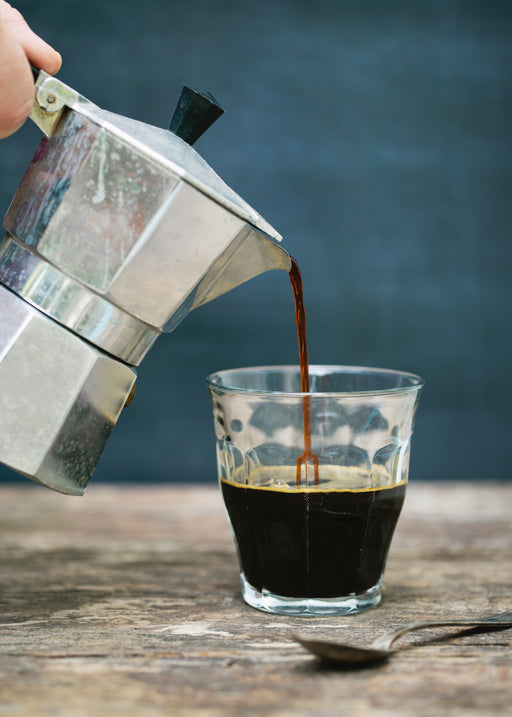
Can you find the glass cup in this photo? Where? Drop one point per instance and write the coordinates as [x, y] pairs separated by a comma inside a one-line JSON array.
[[313, 483]]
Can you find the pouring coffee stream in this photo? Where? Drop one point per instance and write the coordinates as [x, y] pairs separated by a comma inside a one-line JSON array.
[[300, 319]]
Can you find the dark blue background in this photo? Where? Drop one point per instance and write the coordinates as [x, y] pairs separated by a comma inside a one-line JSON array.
[[376, 137]]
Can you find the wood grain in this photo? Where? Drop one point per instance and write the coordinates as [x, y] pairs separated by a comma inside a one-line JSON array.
[[126, 601]]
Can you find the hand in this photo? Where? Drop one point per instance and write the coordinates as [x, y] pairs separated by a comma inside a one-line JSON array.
[[19, 48]]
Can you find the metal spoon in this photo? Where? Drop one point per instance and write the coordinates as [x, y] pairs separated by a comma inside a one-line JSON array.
[[379, 649]]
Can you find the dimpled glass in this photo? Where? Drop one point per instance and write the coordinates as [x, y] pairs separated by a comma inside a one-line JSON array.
[[313, 540]]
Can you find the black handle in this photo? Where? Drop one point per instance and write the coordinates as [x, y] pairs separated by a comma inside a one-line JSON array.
[[194, 113]]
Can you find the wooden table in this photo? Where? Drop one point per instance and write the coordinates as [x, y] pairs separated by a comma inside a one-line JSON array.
[[126, 602]]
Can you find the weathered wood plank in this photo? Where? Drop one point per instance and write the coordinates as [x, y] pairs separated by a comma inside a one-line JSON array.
[[127, 602]]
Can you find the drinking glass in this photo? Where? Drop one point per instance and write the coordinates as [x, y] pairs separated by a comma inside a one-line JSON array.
[[313, 483]]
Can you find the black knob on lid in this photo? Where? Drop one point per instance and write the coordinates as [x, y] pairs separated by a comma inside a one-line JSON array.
[[195, 112]]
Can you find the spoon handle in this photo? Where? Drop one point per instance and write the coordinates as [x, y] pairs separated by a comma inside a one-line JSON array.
[[385, 642]]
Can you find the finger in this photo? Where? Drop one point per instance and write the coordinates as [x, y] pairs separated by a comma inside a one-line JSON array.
[[16, 84], [39, 53]]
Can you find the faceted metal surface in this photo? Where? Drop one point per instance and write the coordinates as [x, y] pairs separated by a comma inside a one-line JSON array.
[[72, 304], [151, 142], [60, 398], [142, 225]]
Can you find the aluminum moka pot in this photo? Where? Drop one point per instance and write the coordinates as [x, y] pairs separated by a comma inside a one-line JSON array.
[[116, 232]]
